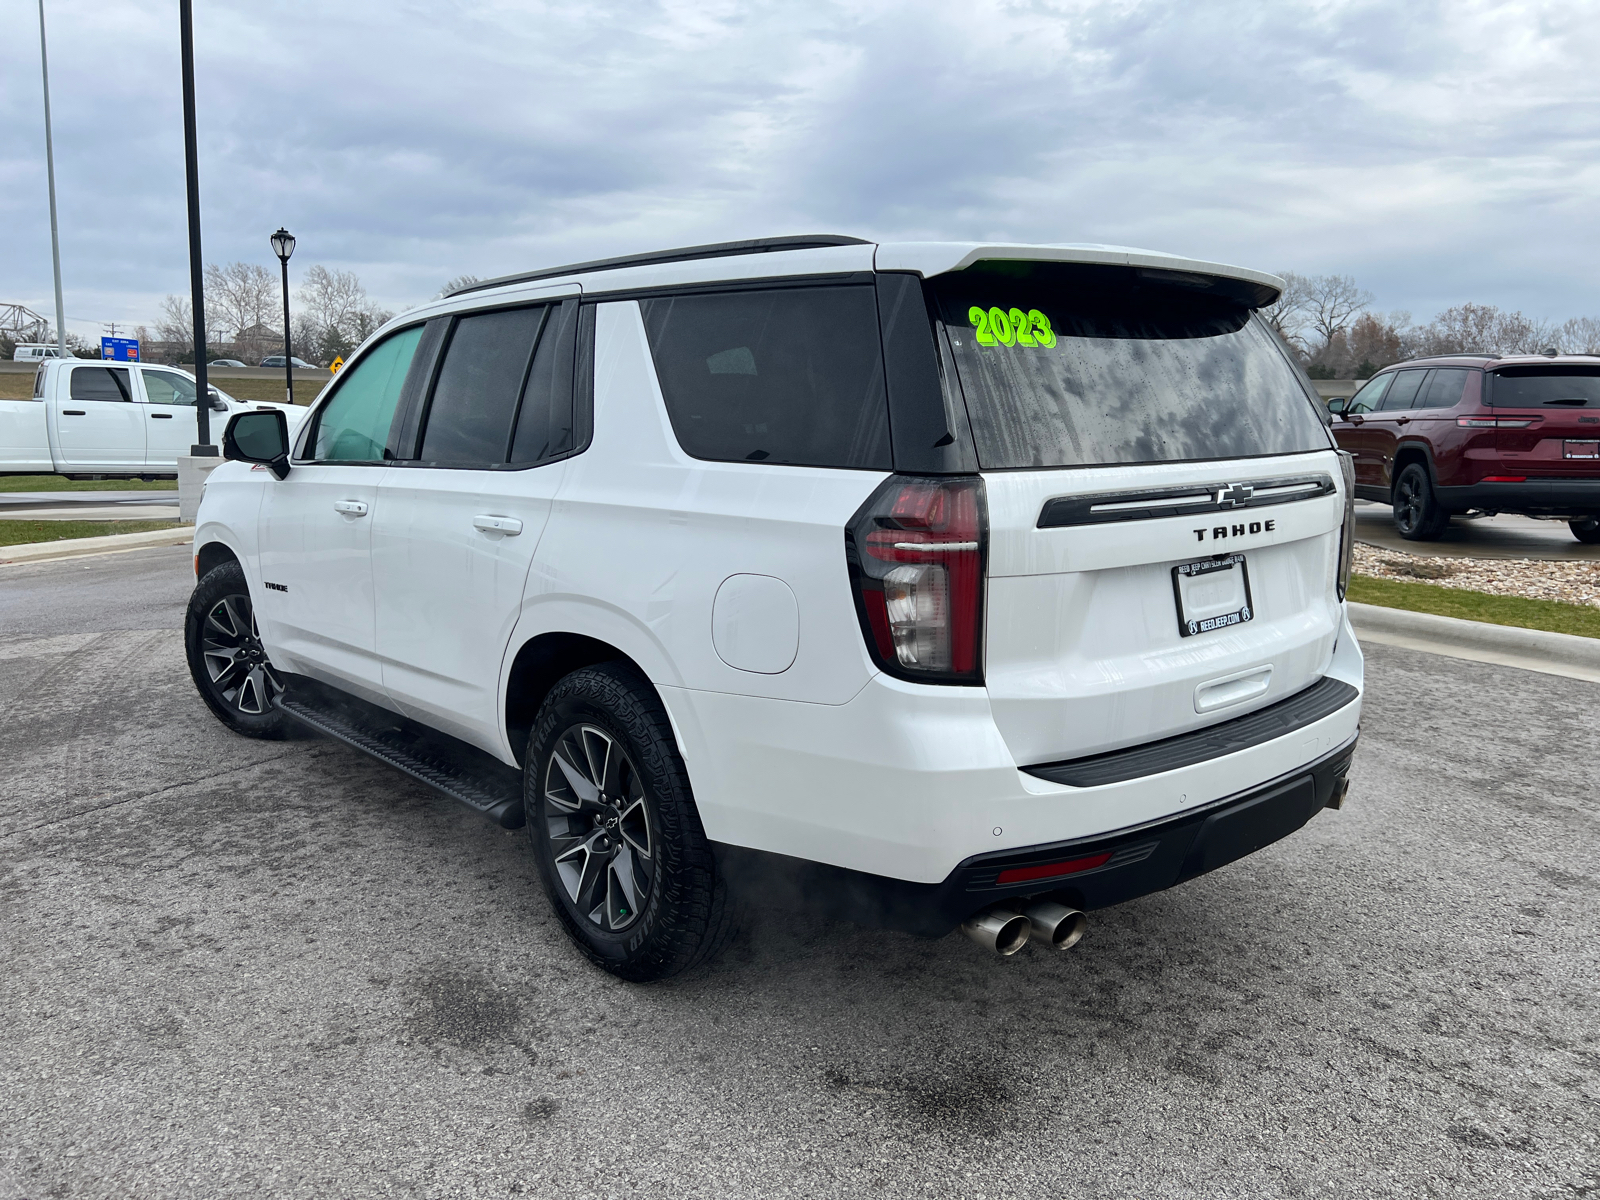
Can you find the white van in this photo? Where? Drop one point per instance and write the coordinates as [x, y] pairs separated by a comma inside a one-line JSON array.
[[960, 584], [37, 352]]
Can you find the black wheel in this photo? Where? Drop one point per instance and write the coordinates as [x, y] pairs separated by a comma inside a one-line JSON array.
[[1586, 530], [1417, 514], [229, 666], [613, 828]]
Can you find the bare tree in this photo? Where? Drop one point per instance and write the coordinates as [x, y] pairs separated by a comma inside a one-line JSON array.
[[456, 284], [244, 297], [175, 326], [1287, 314], [1579, 335], [1332, 303], [331, 298]]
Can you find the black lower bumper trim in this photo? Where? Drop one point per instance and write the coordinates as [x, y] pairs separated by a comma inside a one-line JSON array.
[[1566, 495], [1322, 699], [1138, 860]]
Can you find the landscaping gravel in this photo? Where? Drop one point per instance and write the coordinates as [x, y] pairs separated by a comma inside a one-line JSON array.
[[1543, 579]]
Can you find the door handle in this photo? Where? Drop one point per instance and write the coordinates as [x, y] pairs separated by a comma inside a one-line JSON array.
[[509, 526], [1402, 421], [351, 508], [161, 416], [73, 412]]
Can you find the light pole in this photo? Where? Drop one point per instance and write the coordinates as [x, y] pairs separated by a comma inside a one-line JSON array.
[[283, 246], [204, 448], [50, 170]]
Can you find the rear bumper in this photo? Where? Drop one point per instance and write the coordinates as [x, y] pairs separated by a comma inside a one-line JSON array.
[[1556, 496], [1137, 861], [912, 783]]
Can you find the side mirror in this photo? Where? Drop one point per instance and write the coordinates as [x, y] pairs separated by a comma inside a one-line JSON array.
[[217, 402], [1337, 405], [259, 437]]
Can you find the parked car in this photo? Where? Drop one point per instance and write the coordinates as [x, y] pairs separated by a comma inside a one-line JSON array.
[[1474, 432], [87, 417], [37, 352], [232, 362], [942, 583], [276, 360]]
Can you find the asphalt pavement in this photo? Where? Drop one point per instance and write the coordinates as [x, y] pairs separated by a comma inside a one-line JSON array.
[[238, 968], [1503, 536]]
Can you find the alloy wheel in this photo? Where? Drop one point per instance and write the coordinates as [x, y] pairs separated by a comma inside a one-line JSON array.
[[235, 660], [1408, 504], [602, 838]]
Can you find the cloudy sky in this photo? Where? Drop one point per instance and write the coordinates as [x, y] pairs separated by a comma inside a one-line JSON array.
[[1438, 152]]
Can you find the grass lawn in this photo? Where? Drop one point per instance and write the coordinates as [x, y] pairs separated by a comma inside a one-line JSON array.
[[60, 483], [16, 385], [22, 533], [305, 390], [1551, 615]]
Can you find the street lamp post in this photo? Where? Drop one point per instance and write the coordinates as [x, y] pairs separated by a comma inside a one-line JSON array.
[[283, 246]]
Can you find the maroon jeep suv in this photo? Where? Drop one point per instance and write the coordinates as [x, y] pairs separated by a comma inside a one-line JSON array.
[[1472, 432]]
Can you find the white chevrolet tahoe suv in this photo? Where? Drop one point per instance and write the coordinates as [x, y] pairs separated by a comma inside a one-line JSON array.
[[939, 584]]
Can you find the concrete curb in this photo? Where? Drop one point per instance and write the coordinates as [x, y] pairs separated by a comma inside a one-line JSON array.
[[1505, 645], [80, 547]]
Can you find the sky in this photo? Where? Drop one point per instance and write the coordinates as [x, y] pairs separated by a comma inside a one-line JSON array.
[[1436, 152]]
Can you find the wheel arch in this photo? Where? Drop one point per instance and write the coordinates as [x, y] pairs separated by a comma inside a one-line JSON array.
[[211, 556], [538, 666], [1408, 453]]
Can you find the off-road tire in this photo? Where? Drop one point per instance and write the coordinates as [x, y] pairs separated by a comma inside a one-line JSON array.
[[1417, 513], [687, 915], [221, 612], [1586, 531]]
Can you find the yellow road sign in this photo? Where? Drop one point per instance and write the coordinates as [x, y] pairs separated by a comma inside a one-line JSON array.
[[334, 366]]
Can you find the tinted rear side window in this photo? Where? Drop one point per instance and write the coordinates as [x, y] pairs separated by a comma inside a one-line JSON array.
[[1403, 391], [544, 424], [1444, 389], [480, 381], [100, 383], [1538, 387], [1066, 365], [787, 375]]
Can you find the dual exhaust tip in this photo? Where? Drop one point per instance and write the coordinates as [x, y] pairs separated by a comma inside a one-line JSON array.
[[1005, 931]]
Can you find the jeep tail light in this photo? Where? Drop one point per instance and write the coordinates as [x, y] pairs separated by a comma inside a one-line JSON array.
[[916, 551], [1497, 422], [1347, 531]]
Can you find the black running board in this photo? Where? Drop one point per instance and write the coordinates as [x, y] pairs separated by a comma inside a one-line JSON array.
[[480, 781]]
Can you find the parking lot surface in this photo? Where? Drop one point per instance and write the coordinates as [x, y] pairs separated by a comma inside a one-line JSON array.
[[238, 968], [1504, 536]]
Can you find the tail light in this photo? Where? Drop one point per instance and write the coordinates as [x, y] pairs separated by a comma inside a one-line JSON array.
[[916, 550], [1347, 532], [1497, 422]]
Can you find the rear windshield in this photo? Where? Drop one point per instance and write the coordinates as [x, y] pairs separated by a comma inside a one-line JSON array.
[[1538, 387], [1066, 366]]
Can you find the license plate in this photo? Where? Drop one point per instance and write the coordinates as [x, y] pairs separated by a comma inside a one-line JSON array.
[[1580, 449], [1213, 593]]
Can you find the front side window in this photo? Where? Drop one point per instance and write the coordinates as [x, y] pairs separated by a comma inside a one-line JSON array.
[[782, 375], [1369, 397], [1068, 365], [168, 387], [353, 426], [1404, 390], [100, 383]]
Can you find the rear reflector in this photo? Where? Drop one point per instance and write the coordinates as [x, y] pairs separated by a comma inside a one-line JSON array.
[[1053, 870]]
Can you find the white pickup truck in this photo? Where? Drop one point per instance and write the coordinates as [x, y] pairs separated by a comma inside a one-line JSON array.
[[93, 418]]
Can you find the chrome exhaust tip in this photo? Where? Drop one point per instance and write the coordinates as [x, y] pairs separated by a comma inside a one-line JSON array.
[[1056, 925], [999, 929]]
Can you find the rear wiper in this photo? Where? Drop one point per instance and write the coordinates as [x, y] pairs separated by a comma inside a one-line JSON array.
[[1574, 401]]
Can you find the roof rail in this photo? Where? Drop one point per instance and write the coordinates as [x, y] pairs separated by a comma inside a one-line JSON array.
[[811, 241]]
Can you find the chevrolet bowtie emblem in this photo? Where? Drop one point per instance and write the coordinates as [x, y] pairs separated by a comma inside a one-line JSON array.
[[1234, 496]]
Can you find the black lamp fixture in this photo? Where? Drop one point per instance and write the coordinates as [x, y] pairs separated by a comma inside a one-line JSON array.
[[283, 247]]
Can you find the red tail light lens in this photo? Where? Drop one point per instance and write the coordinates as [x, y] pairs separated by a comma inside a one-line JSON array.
[[916, 551], [1497, 422]]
